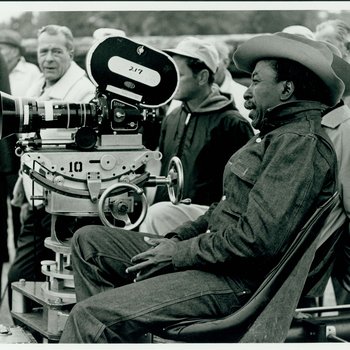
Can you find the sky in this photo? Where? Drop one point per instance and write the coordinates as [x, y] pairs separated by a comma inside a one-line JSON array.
[[6, 13]]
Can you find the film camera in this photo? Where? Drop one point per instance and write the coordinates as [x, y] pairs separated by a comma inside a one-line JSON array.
[[88, 160]]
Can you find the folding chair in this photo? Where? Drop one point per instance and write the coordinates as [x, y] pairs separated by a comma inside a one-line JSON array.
[[267, 315]]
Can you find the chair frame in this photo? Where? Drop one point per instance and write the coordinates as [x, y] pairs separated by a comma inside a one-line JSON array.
[[234, 327]]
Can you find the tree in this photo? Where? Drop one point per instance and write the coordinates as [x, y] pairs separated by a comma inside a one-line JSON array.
[[169, 23]]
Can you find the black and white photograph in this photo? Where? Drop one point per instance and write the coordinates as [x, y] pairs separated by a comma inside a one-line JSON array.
[[175, 173]]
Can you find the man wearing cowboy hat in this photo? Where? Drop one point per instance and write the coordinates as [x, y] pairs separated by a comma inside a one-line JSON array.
[[209, 267]]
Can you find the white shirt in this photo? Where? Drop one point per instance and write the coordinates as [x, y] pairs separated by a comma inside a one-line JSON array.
[[74, 86], [22, 76]]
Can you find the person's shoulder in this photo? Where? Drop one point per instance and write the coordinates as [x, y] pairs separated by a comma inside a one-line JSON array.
[[337, 118], [231, 120], [172, 118], [36, 86], [80, 89], [231, 113], [84, 90], [85, 83], [23, 64], [31, 66]]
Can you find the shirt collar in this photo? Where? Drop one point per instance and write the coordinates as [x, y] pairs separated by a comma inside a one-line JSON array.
[[20, 66], [285, 112], [59, 90]]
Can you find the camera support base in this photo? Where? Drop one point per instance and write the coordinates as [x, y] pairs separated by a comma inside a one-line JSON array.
[[36, 310]]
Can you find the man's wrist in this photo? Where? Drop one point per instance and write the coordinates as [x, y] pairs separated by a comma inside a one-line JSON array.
[[173, 236]]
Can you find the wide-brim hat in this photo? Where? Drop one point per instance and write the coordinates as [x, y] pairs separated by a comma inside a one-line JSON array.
[[197, 48], [314, 55], [341, 67]]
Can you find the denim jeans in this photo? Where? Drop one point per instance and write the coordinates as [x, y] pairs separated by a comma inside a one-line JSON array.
[[112, 308]]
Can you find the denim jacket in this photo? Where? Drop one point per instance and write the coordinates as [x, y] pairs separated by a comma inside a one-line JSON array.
[[271, 187]]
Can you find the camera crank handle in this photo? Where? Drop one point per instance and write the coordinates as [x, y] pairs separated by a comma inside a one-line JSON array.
[[176, 180]]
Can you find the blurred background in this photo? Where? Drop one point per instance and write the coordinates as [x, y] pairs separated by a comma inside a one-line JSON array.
[[161, 29]]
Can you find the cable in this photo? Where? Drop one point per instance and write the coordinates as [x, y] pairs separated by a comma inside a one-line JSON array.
[[334, 337], [3, 295]]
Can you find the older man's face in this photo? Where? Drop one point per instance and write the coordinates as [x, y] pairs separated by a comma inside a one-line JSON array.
[[54, 58], [263, 93]]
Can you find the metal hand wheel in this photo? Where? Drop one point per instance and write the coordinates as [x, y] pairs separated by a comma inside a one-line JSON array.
[[119, 208], [176, 180]]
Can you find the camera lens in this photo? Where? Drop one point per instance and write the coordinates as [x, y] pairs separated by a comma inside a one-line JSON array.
[[20, 115]]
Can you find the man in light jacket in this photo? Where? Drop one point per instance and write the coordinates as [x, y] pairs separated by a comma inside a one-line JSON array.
[[62, 78]]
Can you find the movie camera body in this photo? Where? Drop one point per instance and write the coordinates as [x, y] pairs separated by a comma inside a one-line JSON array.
[[88, 160]]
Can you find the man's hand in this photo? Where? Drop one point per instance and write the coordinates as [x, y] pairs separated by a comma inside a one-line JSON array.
[[154, 261]]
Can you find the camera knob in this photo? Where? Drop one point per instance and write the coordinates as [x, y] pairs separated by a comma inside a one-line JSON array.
[[108, 162], [85, 138]]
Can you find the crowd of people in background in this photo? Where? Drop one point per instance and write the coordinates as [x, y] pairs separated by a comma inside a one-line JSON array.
[[208, 121]]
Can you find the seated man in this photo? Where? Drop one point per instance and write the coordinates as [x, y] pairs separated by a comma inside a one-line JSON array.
[[208, 268]]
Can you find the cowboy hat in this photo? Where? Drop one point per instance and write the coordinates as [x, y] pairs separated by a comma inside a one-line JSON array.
[[314, 55]]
